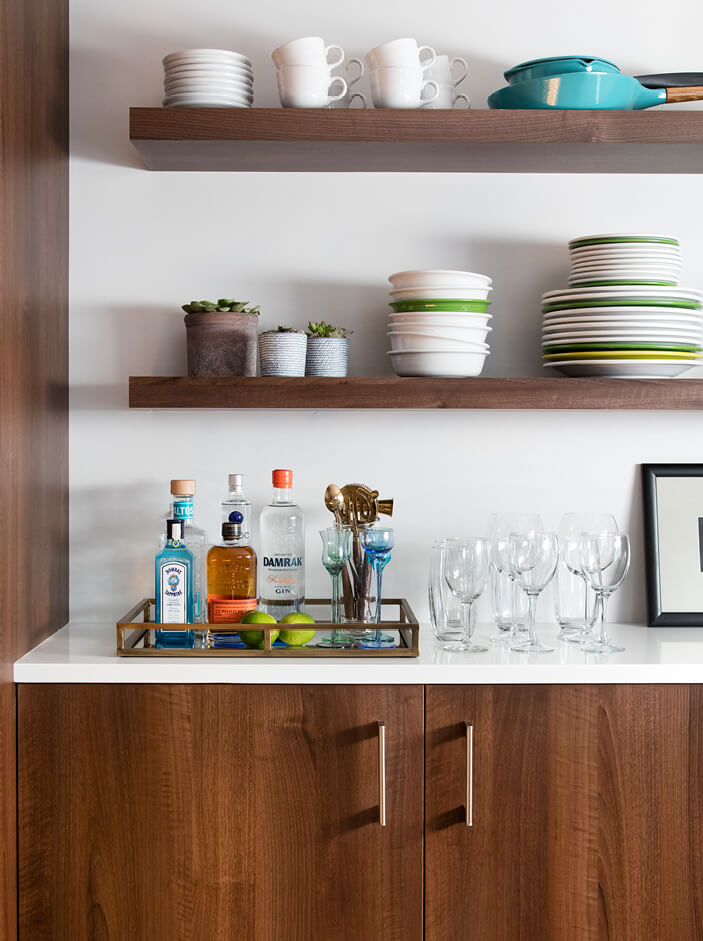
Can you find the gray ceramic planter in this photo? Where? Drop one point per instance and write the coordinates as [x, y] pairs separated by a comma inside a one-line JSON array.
[[221, 343], [327, 356], [282, 354]]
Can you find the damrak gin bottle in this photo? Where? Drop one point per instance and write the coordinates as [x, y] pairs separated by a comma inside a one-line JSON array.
[[174, 567], [282, 555]]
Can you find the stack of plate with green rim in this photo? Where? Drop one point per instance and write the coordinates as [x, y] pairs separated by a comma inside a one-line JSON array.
[[439, 323], [627, 321]]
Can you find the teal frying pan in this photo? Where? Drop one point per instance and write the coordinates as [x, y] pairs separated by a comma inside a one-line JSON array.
[[558, 65], [588, 90]]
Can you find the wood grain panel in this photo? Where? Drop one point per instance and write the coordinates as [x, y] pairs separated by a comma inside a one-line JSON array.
[[517, 873], [588, 818], [396, 392], [219, 812], [33, 365], [280, 139]]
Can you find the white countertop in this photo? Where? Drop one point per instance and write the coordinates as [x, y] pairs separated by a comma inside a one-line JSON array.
[[85, 653]]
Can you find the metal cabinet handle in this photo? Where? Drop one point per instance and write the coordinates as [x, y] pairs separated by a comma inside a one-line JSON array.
[[469, 774], [382, 773]]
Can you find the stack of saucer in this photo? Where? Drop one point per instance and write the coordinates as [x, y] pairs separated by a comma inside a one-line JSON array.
[[439, 323], [623, 313], [208, 78]]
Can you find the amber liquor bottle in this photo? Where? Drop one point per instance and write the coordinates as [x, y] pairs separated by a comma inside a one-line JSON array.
[[231, 579]]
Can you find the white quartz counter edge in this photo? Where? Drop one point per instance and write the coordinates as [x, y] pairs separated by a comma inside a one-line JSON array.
[[85, 653]]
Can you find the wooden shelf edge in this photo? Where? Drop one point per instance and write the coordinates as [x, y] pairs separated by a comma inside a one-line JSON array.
[[392, 392]]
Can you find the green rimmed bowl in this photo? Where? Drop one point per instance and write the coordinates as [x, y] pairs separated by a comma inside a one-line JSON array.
[[440, 305], [623, 302], [620, 239], [624, 354]]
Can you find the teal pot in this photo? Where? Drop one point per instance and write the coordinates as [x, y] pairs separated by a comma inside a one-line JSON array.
[[588, 91], [221, 343], [557, 65], [327, 356]]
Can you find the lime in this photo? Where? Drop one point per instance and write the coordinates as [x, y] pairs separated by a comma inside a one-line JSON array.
[[256, 639], [300, 637]]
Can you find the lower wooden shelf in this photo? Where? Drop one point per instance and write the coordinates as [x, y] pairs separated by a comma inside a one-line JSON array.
[[380, 392]]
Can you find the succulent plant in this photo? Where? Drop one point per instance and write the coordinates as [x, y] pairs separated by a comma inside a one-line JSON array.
[[223, 304], [323, 329]]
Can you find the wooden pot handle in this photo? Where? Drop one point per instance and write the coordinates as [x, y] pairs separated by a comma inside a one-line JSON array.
[[691, 93]]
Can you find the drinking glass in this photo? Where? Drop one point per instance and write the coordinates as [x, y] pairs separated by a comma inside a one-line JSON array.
[[533, 562], [336, 551], [605, 559], [445, 608], [509, 607], [377, 544], [574, 602], [466, 567]]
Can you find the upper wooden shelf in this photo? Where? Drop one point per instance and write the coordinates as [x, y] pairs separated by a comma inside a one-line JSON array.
[[393, 392], [319, 140]]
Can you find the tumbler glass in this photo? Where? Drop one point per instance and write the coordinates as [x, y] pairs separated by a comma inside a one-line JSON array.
[[445, 607]]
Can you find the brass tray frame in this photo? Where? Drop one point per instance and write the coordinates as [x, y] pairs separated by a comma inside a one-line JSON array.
[[135, 638]]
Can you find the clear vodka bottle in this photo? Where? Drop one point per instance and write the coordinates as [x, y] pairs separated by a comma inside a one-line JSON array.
[[236, 502], [282, 553], [182, 508]]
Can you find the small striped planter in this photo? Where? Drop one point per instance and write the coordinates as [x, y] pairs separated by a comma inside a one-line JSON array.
[[327, 356], [282, 354]]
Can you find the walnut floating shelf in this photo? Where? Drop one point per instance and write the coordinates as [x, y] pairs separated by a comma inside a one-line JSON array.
[[393, 392], [320, 140]]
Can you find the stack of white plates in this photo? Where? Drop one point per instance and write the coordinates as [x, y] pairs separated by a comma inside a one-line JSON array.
[[599, 260], [439, 322], [622, 331], [208, 78]]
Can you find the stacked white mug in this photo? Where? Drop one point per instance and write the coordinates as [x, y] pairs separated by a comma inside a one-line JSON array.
[[304, 73], [397, 74], [443, 72]]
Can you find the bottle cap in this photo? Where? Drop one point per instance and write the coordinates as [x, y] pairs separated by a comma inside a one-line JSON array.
[[282, 479], [231, 531], [235, 517], [235, 481], [174, 530], [183, 488]]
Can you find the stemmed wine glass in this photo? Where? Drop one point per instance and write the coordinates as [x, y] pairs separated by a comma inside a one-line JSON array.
[[466, 568], [533, 562], [377, 544], [336, 552], [605, 560], [500, 527], [571, 528]]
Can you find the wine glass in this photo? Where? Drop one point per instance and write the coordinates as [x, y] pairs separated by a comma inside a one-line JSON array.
[[336, 551], [575, 628], [377, 544], [508, 595], [605, 559], [466, 568], [533, 562]]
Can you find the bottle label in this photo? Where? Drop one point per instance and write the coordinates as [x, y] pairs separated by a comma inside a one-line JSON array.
[[173, 590], [183, 509], [282, 576], [223, 610]]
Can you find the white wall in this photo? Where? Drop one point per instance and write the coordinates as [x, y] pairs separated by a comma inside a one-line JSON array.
[[311, 246]]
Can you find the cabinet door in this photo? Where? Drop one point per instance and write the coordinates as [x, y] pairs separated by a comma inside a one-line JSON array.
[[219, 812], [587, 813]]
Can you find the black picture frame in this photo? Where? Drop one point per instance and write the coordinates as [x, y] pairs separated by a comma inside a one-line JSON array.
[[656, 617]]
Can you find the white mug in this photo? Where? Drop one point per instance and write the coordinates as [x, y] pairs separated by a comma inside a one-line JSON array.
[[310, 50], [400, 53], [304, 86], [447, 97], [400, 88], [442, 68]]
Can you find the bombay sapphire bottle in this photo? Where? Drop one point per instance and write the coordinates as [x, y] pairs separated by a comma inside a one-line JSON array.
[[182, 508], [174, 573]]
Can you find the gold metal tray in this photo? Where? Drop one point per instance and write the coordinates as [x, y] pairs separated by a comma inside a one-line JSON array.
[[136, 635]]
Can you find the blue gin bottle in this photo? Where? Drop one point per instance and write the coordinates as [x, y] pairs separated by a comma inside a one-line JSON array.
[[174, 571]]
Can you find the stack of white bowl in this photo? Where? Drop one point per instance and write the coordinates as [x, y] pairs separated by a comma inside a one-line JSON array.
[[439, 322], [208, 78], [623, 313]]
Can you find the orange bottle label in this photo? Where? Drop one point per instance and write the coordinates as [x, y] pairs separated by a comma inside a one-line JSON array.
[[222, 610]]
